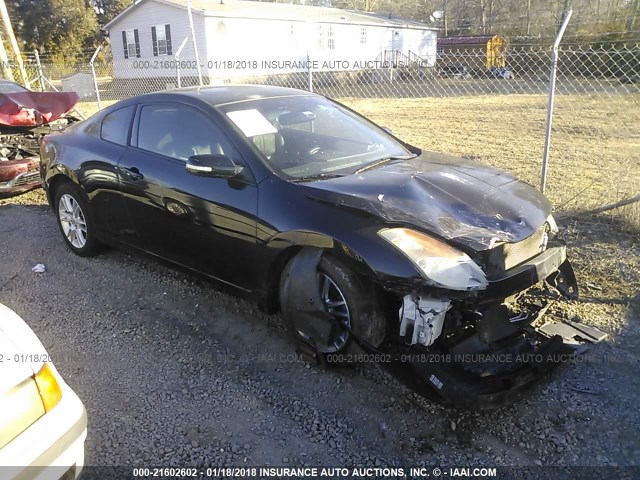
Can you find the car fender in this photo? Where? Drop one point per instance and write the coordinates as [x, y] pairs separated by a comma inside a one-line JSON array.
[[290, 243], [300, 239], [56, 175]]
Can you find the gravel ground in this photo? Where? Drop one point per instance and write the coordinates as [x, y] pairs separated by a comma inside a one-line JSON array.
[[174, 372]]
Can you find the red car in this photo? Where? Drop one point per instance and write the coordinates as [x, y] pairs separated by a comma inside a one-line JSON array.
[[26, 116]]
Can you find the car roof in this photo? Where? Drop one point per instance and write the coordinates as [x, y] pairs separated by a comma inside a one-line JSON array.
[[10, 82], [225, 94]]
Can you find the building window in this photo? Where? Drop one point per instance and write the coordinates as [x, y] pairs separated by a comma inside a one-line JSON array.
[[161, 39], [320, 36], [331, 39], [131, 43], [363, 36]]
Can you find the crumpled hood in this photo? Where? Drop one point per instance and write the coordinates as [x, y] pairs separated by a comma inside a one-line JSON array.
[[30, 109], [469, 203]]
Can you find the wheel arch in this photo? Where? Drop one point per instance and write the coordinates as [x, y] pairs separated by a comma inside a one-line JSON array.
[[297, 241], [56, 180]]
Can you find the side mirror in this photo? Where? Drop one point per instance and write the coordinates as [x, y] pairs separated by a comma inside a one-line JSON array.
[[208, 165]]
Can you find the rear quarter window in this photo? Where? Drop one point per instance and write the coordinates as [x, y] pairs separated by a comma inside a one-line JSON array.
[[115, 126]]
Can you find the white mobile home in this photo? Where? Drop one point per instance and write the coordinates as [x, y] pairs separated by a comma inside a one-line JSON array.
[[242, 38]]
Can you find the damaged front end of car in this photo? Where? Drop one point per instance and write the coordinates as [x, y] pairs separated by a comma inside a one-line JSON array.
[[25, 117], [472, 334], [468, 260], [481, 348]]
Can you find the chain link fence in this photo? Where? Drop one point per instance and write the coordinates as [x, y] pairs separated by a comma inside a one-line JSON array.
[[452, 104]]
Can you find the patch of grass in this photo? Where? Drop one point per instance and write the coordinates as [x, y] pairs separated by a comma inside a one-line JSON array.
[[595, 149], [89, 108]]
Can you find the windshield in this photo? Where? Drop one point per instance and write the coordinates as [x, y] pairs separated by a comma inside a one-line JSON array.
[[312, 137], [10, 87]]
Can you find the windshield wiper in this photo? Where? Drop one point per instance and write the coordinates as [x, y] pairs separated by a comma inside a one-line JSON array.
[[318, 176], [382, 161]]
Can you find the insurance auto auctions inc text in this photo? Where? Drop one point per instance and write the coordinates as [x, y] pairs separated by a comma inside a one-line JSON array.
[[277, 65], [356, 472]]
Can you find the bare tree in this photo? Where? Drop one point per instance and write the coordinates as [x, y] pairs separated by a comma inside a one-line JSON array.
[[516, 19]]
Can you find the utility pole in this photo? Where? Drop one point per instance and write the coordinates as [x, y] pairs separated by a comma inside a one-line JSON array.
[[193, 38], [633, 16], [446, 17], [483, 17], [6, 21]]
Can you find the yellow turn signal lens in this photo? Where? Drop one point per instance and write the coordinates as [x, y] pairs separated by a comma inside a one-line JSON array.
[[50, 391]]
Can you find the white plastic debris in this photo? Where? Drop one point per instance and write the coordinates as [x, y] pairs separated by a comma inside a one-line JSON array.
[[425, 316], [39, 268]]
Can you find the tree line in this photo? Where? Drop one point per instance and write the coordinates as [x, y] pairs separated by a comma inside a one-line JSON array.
[[62, 29], [522, 21], [66, 29]]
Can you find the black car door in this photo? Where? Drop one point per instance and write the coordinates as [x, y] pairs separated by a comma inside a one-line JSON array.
[[204, 223], [106, 143]]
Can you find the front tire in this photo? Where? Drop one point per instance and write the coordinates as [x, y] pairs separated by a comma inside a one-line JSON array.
[[74, 220], [353, 301]]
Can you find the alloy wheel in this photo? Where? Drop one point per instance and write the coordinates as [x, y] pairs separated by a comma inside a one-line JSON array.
[[335, 304], [72, 220]]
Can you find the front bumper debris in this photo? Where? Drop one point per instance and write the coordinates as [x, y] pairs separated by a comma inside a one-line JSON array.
[[508, 352], [533, 271], [448, 381], [21, 183], [492, 346], [573, 333]]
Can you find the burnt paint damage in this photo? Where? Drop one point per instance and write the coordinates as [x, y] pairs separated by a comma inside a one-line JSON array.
[[470, 204]]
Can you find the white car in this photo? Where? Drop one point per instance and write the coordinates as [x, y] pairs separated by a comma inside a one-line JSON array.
[[43, 423]]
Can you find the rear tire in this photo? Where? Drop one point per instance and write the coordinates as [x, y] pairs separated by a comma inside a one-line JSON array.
[[75, 221]]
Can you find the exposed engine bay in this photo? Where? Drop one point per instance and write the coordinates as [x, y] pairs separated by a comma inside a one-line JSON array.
[[25, 117], [19, 157]]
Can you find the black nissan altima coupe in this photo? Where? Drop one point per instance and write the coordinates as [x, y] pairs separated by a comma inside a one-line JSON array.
[[371, 248]]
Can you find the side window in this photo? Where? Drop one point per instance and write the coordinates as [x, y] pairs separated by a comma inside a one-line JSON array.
[[115, 126], [180, 131]]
